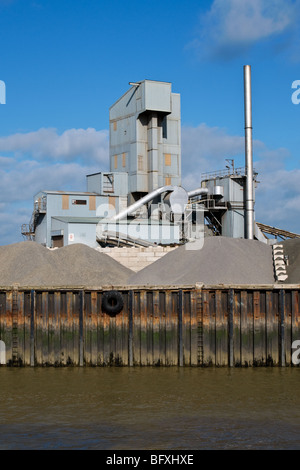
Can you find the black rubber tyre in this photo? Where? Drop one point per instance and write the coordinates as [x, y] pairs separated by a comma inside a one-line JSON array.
[[112, 302]]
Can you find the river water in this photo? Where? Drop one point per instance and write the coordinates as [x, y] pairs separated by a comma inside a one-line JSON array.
[[149, 408]]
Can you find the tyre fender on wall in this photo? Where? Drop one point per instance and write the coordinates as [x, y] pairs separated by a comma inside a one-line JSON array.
[[112, 302]]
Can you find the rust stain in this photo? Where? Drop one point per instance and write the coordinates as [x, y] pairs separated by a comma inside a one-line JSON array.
[[155, 326]]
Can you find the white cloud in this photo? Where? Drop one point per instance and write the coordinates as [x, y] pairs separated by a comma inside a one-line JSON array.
[[203, 142], [25, 179], [11, 218], [278, 199], [87, 145], [39, 160], [5, 162], [250, 21], [45, 160], [231, 27], [22, 180], [205, 149]]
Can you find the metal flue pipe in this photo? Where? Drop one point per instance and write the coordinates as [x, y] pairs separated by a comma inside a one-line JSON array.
[[149, 197], [249, 200], [197, 192]]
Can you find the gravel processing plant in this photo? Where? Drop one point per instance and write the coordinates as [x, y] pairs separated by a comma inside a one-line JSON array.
[[140, 271], [141, 203]]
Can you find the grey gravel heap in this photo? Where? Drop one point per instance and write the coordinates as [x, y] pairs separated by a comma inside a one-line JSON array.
[[30, 264], [291, 249], [221, 260]]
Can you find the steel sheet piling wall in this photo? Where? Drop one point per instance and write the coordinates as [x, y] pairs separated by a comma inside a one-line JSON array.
[[206, 326]]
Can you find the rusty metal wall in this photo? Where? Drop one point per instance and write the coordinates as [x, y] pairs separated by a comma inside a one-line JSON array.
[[167, 327]]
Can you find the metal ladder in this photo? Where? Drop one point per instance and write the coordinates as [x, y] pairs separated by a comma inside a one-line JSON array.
[[199, 309]]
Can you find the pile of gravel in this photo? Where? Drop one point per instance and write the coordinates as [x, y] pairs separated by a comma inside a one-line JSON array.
[[291, 248], [30, 264], [221, 260]]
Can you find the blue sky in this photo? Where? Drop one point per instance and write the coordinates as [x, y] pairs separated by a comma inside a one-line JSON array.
[[64, 63]]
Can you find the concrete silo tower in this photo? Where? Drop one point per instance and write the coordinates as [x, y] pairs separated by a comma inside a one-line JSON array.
[[145, 137]]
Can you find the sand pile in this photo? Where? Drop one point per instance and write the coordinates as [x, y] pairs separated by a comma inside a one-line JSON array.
[[30, 264], [220, 261], [291, 248]]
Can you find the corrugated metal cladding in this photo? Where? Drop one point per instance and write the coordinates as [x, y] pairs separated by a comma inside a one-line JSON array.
[[237, 326]]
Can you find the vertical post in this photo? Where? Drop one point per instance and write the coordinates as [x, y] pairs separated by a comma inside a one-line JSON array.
[[32, 321], [180, 342], [81, 307], [130, 328], [230, 327], [199, 308], [249, 200], [282, 329]]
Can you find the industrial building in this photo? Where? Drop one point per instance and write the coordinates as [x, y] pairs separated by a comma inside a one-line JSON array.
[[145, 154], [140, 201], [234, 302]]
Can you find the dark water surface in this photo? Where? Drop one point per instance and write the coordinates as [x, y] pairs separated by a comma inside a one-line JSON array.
[[149, 408]]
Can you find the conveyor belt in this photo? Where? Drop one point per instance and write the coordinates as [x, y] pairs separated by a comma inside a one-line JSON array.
[[277, 231]]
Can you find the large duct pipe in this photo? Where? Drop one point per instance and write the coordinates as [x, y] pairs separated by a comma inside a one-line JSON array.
[[142, 201], [249, 201], [197, 192]]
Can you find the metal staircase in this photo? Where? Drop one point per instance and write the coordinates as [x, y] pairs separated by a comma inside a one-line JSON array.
[[28, 230]]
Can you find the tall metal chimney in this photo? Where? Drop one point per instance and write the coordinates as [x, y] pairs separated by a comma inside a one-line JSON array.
[[249, 201]]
